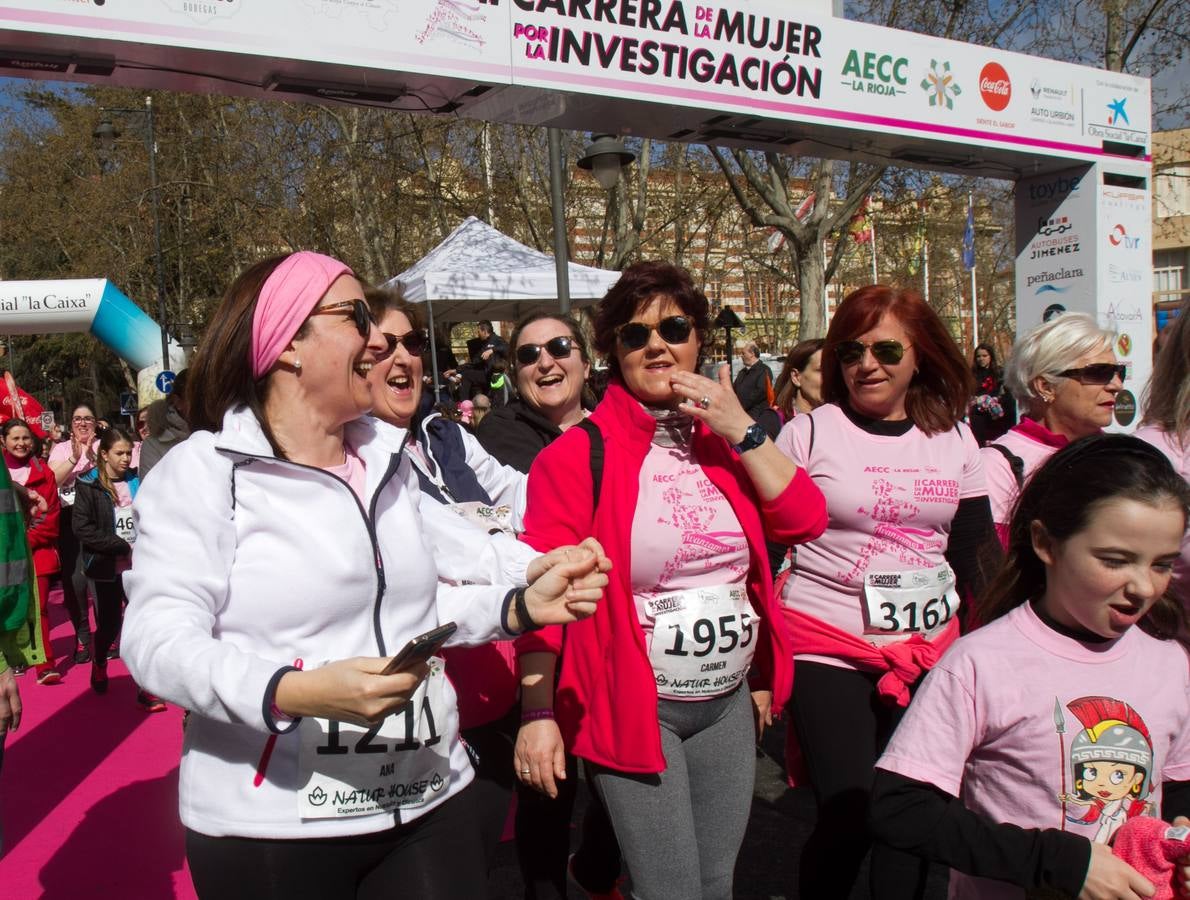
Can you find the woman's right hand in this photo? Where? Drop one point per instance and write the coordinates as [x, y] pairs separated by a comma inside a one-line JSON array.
[[1110, 878], [348, 690], [539, 749]]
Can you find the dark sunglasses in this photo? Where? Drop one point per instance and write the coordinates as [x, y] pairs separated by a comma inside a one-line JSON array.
[[414, 342], [353, 309], [673, 330], [559, 348], [1099, 373], [887, 352]]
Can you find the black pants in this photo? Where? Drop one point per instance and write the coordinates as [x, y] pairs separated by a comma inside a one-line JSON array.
[[542, 825], [842, 726], [438, 856], [74, 582], [110, 601]]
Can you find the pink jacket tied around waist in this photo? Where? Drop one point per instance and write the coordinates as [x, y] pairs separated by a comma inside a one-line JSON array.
[[286, 300]]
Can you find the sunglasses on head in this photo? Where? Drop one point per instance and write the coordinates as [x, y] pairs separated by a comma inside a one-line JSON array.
[[559, 348], [414, 342], [352, 309], [673, 330], [1098, 373], [887, 352]]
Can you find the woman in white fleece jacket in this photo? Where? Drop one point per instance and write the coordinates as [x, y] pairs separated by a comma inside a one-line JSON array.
[[281, 559]]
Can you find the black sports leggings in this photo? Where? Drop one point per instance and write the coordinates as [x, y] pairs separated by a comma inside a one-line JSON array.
[[438, 856], [842, 726]]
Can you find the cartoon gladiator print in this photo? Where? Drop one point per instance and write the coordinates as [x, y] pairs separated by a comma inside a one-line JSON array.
[[1111, 759]]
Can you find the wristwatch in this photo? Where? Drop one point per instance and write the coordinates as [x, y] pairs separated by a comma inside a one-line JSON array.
[[753, 438]]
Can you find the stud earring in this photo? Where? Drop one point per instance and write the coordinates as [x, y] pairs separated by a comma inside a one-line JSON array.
[[297, 364]]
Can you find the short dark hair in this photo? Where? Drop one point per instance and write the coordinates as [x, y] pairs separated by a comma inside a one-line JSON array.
[[1062, 494], [382, 300], [486, 325], [943, 384], [571, 323], [639, 284]]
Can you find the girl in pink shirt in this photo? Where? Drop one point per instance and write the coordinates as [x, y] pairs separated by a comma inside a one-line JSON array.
[[1037, 736]]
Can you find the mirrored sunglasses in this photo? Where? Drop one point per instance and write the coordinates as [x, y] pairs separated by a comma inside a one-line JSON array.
[[558, 348], [1098, 373], [673, 330], [352, 309], [888, 353]]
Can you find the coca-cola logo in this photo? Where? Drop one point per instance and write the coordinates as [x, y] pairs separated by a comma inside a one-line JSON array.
[[995, 86]]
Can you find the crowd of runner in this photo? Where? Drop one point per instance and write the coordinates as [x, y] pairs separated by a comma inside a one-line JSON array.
[[971, 627]]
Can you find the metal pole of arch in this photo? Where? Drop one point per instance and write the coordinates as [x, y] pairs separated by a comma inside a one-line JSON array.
[[561, 255], [157, 236]]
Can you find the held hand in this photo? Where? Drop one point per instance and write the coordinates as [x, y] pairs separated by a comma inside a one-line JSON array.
[[1110, 878], [348, 690], [545, 562], [540, 751], [10, 703], [762, 705], [570, 589], [722, 412], [1182, 873]]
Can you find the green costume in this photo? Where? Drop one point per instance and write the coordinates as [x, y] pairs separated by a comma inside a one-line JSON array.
[[20, 617]]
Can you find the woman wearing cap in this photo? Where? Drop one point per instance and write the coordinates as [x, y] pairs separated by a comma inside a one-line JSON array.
[[652, 690], [874, 601], [1065, 376], [281, 559]]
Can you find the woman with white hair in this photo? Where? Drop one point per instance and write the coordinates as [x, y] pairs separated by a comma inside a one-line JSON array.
[[1065, 376]]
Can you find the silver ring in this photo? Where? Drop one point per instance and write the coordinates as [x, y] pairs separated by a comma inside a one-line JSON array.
[[704, 402]]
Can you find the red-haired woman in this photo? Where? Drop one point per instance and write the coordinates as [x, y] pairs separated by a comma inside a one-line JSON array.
[[874, 601]]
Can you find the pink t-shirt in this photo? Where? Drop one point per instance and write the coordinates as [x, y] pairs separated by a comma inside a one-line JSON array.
[[60, 452], [353, 472], [1034, 444], [1179, 457], [1015, 717], [890, 500]]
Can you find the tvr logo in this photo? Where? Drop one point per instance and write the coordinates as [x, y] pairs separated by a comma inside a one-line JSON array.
[[1118, 237]]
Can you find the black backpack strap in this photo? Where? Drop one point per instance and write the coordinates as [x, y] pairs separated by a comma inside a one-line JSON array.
[[1014, 462], [596, 438], [810, 448]]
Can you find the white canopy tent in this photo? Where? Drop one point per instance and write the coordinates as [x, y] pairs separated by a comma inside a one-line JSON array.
[[479, 272]]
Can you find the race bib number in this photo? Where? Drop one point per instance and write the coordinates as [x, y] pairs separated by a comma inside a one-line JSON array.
[[490, 518], [403, 762], [703, 640], [66, 495], [900, 604], [125, 526]]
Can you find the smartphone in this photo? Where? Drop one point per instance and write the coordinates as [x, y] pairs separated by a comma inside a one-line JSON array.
[[420, 648]]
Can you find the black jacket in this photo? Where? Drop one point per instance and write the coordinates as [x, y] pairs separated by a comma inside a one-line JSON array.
[[94, 521], [751, 386], [515, 434]]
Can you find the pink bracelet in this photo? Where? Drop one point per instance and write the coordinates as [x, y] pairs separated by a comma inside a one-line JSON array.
[[536, 715]]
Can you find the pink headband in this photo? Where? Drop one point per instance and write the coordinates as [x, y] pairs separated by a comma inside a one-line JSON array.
[[285, 301]]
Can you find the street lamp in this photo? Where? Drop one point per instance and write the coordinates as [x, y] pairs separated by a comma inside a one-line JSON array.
[[604, 157], [105, 135]]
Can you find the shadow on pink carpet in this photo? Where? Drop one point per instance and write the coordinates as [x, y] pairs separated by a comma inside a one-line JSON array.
[[89, 790]]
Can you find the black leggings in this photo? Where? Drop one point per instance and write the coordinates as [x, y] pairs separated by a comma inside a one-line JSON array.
[[74, 582], [842, 726], [438, 856], [110, 600]]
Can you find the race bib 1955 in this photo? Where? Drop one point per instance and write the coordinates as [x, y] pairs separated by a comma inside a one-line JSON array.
[[898, 605], [703, 640], [348, 770]]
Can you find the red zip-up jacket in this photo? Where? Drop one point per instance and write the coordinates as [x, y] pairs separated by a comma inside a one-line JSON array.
[[43, 536], [606, 703]]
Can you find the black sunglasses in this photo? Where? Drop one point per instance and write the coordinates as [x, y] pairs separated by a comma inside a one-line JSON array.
[[559, 348], [673, 330], [414, 342], [353, 309], [1098, 373], [887, 352]]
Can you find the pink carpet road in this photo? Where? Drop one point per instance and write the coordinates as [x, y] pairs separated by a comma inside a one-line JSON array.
[[89, 790]]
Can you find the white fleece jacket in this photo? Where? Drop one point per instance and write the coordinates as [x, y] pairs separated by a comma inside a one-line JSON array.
[[245, 563]]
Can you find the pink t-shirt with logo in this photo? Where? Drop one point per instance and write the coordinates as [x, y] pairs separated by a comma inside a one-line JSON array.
[[890, 500], [1030, 727], [1034, 444]]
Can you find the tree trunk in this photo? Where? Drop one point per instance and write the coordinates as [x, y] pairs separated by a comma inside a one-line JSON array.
[[810, 265]]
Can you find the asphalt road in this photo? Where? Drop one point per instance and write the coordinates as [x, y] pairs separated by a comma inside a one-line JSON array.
[[766, 869]]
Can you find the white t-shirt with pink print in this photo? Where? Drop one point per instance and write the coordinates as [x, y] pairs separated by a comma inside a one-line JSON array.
[[1031, 727], [890, 501]]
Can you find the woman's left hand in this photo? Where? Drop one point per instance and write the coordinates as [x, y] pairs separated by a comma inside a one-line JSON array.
[[762, 705], [1182, 874], [570, 587], [715, 402]]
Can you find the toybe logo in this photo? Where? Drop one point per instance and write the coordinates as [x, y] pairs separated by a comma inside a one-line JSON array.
[[995, 87], [1118, 237]]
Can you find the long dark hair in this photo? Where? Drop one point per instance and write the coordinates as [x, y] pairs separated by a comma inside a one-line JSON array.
[[1168, 394], [111, 436], [1062, 495], [221, 373], [796, 360], [939, 392]]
